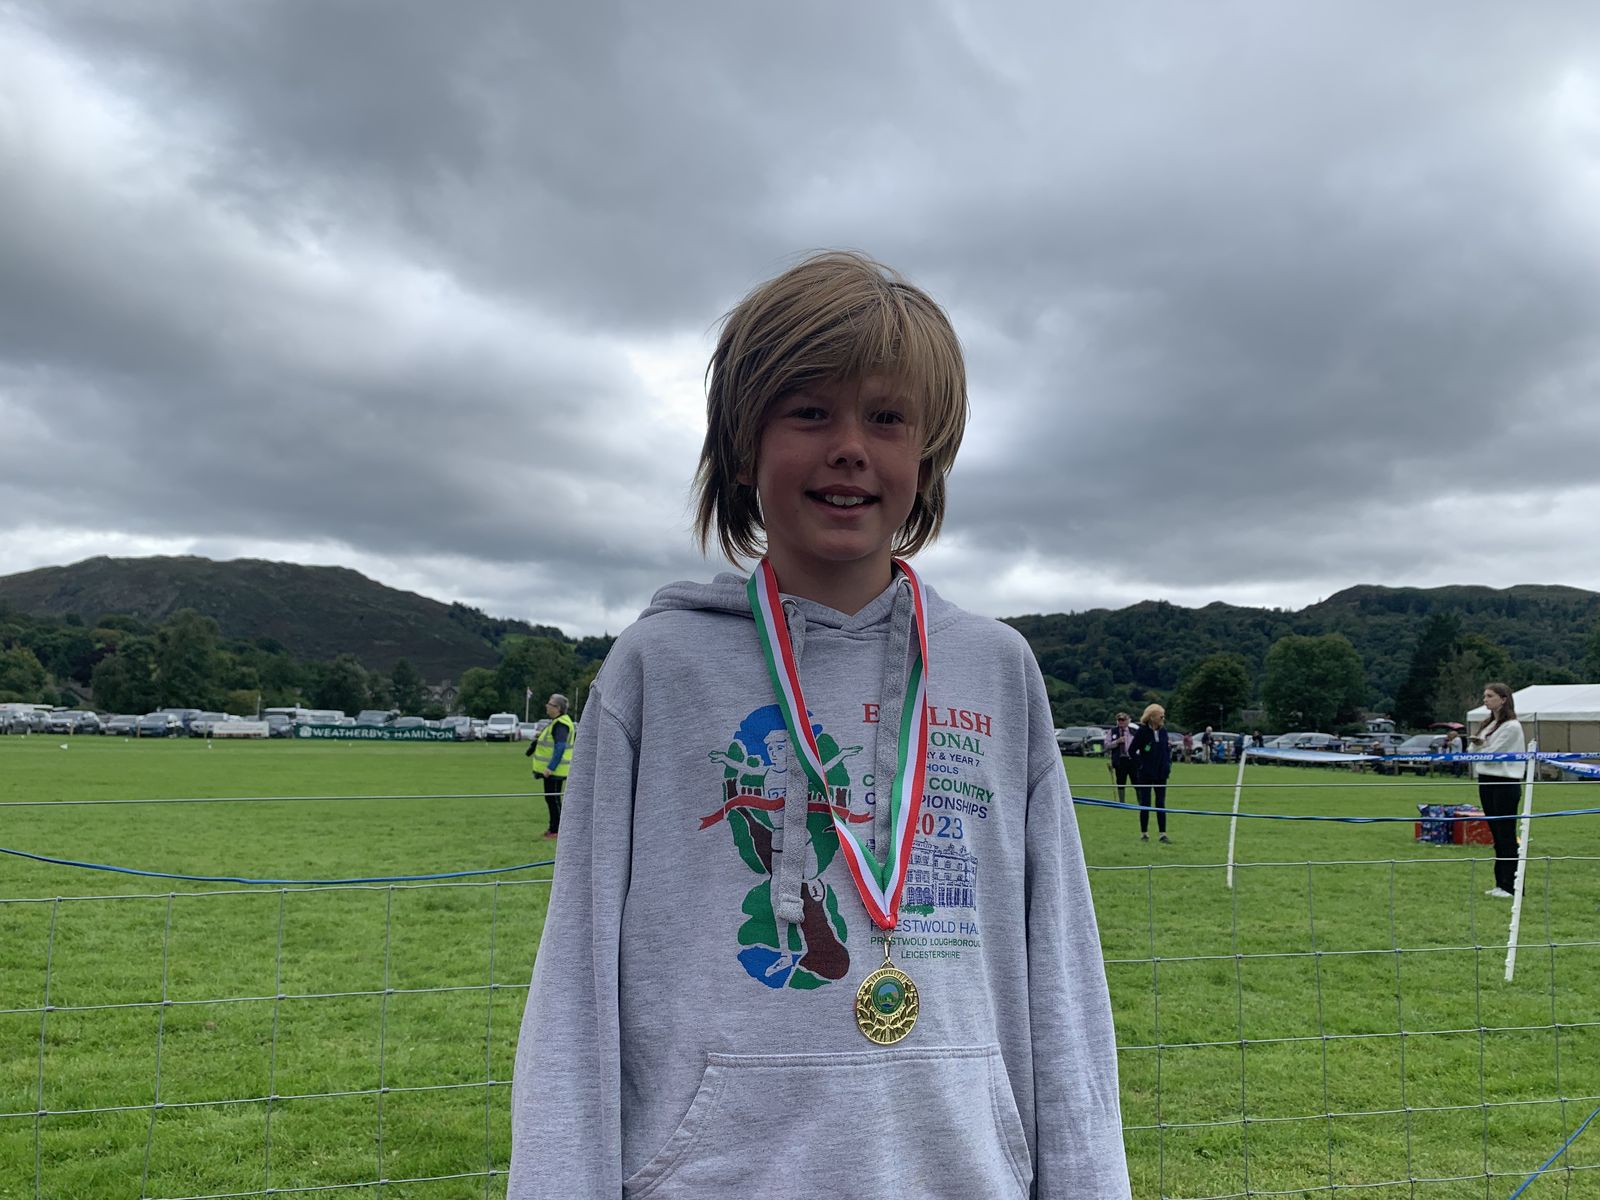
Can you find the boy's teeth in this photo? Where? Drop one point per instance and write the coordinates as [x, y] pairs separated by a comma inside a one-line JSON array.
[[845, 501]]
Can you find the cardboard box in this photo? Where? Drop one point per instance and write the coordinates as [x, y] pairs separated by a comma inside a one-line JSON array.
[[1450, 825]]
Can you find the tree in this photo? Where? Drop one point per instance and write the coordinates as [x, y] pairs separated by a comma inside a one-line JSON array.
[[242, 702], [186, 661], [1439, 642], [126, 681], [480, 692], [405, 687], [580, 693], [1459, 686], [1591, 656], [1313, 682], [536, 664], [1211, 691], [343, 686], [22, 676]]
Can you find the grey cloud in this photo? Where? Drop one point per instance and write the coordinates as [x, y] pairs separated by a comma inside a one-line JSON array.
[[1298, 272]]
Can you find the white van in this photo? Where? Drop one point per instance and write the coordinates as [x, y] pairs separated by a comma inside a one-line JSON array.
[[502, 727]]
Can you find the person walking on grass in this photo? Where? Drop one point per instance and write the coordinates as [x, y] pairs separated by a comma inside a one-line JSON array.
[[1498, 791], [1152, 765], [1118, 759], [721, 1004], [551, 752]]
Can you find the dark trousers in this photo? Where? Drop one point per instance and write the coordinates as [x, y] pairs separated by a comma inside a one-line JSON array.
[[1122, 768], [1143, 791], [1498, 798], [552, 797]]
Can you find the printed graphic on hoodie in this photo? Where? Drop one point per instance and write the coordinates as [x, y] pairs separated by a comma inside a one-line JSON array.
[[938, 917], [755, 773]]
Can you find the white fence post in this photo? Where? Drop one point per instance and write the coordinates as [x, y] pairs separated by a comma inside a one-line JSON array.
[[1233, 825], [1524, 830]]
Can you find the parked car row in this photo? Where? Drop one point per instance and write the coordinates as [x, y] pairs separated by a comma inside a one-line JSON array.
[[194, 722], [1082, 740]]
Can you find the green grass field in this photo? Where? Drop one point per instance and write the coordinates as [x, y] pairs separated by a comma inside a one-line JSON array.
[[1346, 996]]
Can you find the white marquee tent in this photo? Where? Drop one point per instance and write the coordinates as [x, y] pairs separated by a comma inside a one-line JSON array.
[[1564, 716]]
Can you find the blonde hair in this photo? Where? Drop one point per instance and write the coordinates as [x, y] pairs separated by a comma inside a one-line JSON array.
[[1151, 710], [837, 316]]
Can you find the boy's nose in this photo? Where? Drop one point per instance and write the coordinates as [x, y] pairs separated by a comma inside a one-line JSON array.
[[849, 445]]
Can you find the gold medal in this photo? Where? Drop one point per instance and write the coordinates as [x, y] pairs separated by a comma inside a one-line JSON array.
[[886, 1003]]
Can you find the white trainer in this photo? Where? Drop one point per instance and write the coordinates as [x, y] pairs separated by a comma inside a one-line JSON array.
[[1498, 893]]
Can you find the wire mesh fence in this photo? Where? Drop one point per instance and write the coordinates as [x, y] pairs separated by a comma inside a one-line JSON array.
[[1330, 1023]]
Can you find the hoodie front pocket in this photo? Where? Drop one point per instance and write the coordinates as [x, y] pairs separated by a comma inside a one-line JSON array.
[[934, 1122]]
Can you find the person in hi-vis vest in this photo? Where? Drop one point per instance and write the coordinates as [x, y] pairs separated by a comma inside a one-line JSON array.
[[551, 752]]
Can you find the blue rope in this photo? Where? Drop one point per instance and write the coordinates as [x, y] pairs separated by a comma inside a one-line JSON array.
[[1556, 1155], [1117, 804], [89, 866]]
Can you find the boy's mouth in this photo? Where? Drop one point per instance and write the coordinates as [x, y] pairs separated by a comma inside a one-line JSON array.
[[843, 499]]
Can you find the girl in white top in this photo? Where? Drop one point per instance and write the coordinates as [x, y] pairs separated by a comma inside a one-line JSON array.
[[1501, 733]]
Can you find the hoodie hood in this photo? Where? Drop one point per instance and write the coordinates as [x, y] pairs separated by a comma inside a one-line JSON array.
[[726, 594]]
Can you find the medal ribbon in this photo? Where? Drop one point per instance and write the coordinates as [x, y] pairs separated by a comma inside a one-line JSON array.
[[880, 883]]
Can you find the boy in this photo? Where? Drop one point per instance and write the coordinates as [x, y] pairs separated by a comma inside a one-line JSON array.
[[820, 923]]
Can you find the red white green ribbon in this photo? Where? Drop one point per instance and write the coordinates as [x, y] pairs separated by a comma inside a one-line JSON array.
[[880, 883]]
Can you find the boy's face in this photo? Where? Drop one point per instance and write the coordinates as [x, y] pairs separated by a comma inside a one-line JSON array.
[[837, 472]]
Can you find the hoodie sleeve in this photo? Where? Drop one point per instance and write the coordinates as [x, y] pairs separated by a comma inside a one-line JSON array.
[[566, 1124], [1078, 1148]]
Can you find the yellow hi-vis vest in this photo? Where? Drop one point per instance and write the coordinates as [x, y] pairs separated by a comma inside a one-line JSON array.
[[544, 748]]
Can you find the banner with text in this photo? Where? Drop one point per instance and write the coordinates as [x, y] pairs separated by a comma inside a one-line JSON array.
[[373, 733]]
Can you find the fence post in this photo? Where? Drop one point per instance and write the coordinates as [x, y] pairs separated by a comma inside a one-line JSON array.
[[1524, 829], [1233, 825]]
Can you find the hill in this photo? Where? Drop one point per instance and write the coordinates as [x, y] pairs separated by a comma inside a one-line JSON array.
[[315, 613], [1094, 661], [1116, 657]]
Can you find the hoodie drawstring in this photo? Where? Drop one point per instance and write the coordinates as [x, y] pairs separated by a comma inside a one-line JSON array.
[[789, 869], [891, 709]]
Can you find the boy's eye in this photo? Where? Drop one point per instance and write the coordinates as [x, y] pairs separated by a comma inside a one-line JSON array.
[[889, 417], [807, 412]]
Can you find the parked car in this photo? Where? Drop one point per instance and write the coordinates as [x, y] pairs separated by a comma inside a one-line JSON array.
[[462, 727], [1419, 743], [182, 715], [279, 726], [527, 731], [159, 724], [1317, 741], [122, 725], [501, 727], [1081, 740], [405, 723], [201, 725], [72, 721], [376, 717], [25, 721], [1362, 743]]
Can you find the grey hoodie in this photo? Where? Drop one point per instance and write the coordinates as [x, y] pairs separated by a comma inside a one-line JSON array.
[[690, 1028]]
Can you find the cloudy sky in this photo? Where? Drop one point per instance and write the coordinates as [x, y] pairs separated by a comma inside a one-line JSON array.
[[1260, 300]]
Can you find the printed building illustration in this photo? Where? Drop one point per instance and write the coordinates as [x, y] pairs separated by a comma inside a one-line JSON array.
[[941, 873]]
